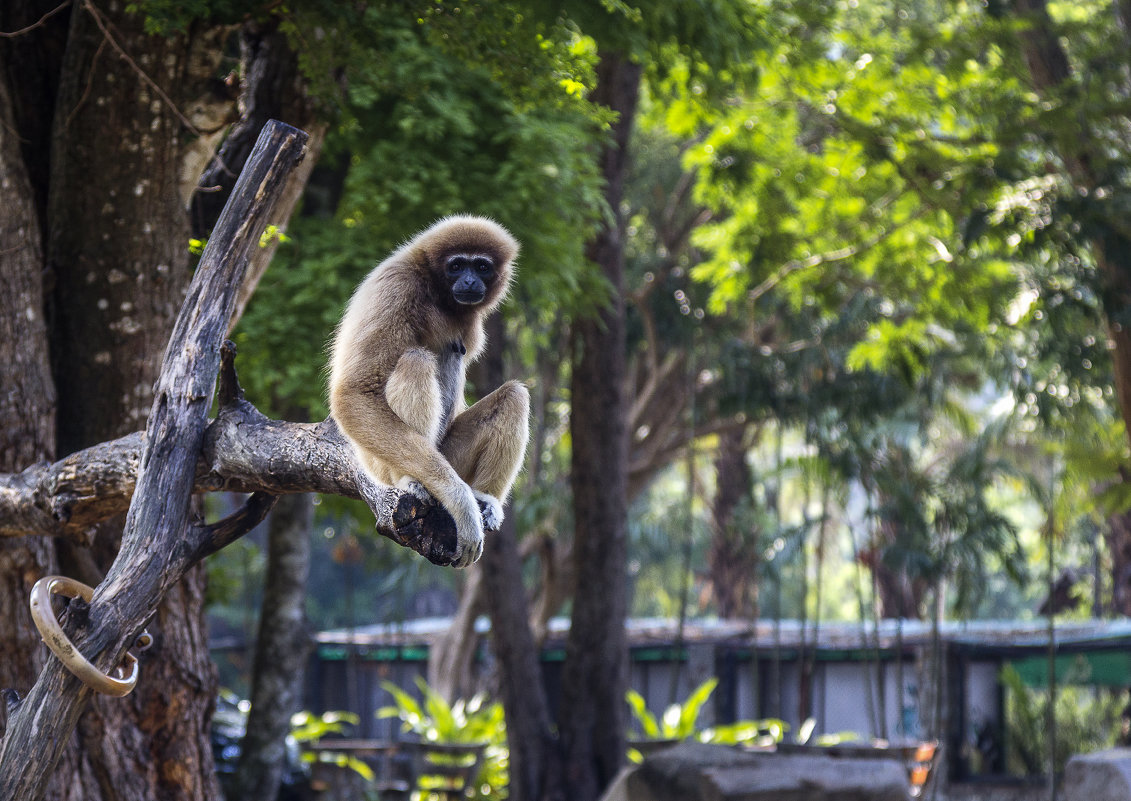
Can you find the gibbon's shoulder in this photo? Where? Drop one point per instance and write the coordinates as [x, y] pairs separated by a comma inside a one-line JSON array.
[[461, 233]]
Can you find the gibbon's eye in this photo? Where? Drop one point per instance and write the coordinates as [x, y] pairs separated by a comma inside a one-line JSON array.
[[457, 264], [482, 264]]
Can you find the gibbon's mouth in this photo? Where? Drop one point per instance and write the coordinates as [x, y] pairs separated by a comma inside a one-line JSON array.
[[468, 298]]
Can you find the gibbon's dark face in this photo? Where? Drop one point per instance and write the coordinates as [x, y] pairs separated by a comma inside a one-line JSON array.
[[468, 276]]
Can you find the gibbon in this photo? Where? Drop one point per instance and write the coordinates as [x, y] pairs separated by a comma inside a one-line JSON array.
[[397, 374]]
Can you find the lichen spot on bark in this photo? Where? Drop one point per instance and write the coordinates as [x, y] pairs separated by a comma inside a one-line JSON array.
[[127, 325]]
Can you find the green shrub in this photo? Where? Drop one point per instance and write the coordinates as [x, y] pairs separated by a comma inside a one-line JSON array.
[[681, 722], [1087, 720], [473, 720]]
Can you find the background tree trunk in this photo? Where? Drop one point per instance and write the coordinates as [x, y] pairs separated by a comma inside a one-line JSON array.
[[535, 763], [734, 553], [281, 649], [451, 659], [1118, 536], [595, 674]]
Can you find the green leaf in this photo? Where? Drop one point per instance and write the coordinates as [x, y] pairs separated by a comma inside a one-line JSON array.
[[648, 725]]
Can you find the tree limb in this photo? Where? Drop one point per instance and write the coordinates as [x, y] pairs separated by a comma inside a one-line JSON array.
[[243, 451]]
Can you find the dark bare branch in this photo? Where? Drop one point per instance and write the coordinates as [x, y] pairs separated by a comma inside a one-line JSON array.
[[243, 451]]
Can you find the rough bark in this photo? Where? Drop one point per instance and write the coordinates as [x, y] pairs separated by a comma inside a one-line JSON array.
[[158, 547], [595, 674], [281, 648], [27, 404], [97, 112], [118, 233], [243, 451]]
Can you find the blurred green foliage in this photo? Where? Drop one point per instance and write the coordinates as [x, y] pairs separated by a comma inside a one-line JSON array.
[[853, 221], [1087, 719], [473, 720]]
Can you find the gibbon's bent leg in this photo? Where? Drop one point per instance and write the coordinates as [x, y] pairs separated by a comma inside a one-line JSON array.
[[413, 392], [393, 451], [486, 445]]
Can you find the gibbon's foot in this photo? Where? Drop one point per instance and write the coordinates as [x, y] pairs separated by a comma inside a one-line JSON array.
[[491, 510]]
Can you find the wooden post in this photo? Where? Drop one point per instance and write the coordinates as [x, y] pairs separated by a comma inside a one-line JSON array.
[[158, 544]]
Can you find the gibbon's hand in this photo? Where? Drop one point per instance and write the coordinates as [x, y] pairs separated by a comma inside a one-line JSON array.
[[465, 511], [469, 528]]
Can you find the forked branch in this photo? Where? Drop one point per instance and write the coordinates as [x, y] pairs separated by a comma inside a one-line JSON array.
[[181, 452]]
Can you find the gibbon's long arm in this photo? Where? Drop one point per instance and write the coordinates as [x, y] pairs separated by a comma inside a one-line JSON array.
[[414, 395]]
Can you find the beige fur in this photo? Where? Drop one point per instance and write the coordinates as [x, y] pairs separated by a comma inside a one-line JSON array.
[[395, 367]]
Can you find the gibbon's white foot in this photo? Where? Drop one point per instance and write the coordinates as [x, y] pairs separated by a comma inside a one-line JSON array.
[[492, 510]]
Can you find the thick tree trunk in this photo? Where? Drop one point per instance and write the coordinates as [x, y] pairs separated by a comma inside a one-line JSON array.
[[595, 675], [115, 181], [281, 649], [158, 549], [27, 404], [113, 127], [117, 248]]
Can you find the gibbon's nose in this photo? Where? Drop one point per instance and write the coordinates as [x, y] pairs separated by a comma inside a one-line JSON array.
[[469, 290]]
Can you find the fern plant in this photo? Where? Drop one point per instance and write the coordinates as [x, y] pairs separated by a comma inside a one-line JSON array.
[[473, 720], [681, 722]]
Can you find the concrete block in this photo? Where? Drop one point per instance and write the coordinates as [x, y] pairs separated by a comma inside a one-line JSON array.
[[1101, 776]]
